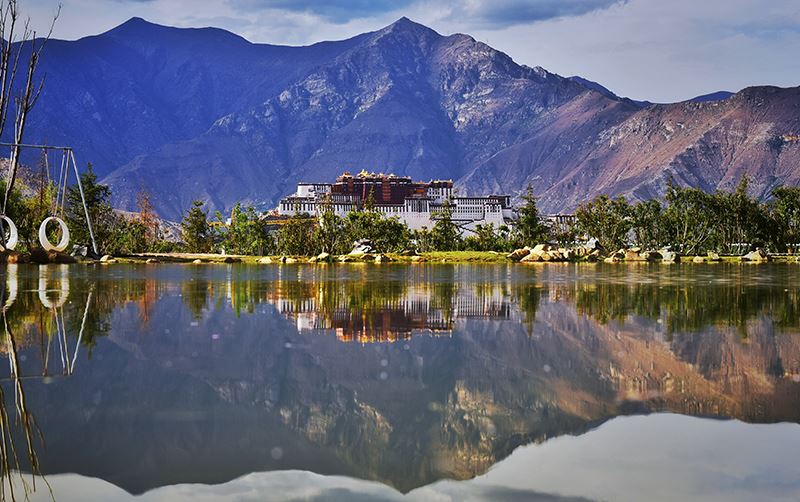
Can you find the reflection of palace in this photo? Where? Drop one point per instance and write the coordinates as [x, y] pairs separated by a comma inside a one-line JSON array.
[[417, 309]]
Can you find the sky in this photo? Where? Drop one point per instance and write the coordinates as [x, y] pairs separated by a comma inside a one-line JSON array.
[[656, 50]]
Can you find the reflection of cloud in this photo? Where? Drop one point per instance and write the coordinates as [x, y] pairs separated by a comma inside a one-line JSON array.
[[655, 457]]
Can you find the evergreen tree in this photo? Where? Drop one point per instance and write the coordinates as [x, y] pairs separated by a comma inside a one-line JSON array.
[[530, 227], [608, 220], [195, 230], [786, 218], [247, 233], [445, 235], [330, 234], [98, 203]]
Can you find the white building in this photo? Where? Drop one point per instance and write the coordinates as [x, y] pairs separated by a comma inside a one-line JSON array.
[[414, 203]]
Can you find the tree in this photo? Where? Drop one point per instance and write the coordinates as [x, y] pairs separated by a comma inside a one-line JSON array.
[[195, 230], [690, 219], [247, 233], [530, 227], [786, 218], [295, 236], [647, 224], [484, 239], [148, 219], [608, 220], [102, 216], [445, 235], [330, 233], [15, 44]]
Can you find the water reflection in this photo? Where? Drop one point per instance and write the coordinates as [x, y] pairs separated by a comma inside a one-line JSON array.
[[179, 374]]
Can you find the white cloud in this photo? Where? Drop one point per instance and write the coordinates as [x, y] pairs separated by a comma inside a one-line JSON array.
[[645, 49]]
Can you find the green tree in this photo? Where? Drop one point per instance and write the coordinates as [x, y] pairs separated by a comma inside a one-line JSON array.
[[648, 225], [485, 239], [247, 233], [445, 235], [295, 237], [786, 218], [196, 233], [608, 220], [98, 203], [330, 232], [386, 234], [690, 219], [530, 227]]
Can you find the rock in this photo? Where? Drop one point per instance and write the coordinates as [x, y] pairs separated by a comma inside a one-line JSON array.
[[323, 257], [196, 262], [650, 256], [668, 256], [229, 259], [409, 252], [614, 258], [363, 246], [265, 260], [346, 258], [699, 259], [151, 260], [592, 258], [712, 256], [11, 257], [417, 259], [593, 244], [382, 258], [757, 256], [540, 248], [106, 257], [518, 254], [631, 254], [289, 259], [531, 258], [57, 257]]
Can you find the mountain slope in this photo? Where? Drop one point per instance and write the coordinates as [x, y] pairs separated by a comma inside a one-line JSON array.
[[202, 113]]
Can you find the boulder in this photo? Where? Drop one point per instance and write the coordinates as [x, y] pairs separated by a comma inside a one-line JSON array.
[[229, 259], [532, 257], [196, 262], [614, 258], [757, 256], [417, 259], [712, 256], [518, 254], [289, 259], [668, 256], [699, 259], [631, 254], [363, 246], [593, 244], [323, 257], [10, 256], [541, 248], [382, 258], [57, 257], [106, 257], [265, 260], [151, 260], [650, 256]]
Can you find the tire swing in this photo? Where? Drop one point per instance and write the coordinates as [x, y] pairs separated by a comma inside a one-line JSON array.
[[61, 195], [45, 242], [13, 236]]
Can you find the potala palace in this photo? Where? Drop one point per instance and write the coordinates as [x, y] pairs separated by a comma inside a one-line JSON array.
[[416, 203]]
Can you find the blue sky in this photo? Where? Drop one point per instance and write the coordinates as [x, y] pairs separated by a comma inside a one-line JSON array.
[[661, 50]]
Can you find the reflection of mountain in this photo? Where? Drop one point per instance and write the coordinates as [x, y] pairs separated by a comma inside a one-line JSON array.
[[198, 393]]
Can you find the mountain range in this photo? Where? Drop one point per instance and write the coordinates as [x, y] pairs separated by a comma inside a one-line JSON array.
[[204, 114]]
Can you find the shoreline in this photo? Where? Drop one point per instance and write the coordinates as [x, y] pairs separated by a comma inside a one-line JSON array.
[[437, 257]]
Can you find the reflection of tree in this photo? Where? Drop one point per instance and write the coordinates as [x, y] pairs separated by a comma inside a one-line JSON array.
[[687, 307], [195, 294], [527, 298]]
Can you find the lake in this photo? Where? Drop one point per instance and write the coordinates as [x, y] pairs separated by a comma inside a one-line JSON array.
[[396, 382]]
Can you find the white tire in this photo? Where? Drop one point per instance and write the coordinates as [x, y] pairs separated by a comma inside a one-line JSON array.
[[45, 242], [13, 236]]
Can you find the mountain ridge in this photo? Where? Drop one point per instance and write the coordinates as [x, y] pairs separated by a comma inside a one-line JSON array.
[[191, 113]]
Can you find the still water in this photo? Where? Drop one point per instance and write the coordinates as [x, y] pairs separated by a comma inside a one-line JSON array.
[[362, 382]]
